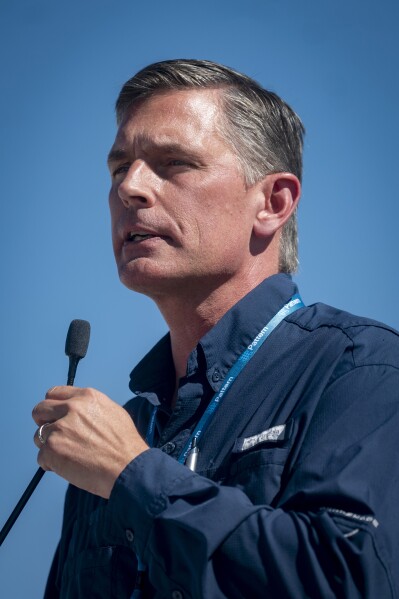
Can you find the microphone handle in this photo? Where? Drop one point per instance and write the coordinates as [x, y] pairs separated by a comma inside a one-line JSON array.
[[21, 504], [73, 362]]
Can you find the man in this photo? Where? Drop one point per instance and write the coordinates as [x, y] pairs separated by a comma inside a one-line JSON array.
[[272, 468]]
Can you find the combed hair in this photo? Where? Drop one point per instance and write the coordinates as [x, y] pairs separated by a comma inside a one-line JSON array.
[[265, 133]]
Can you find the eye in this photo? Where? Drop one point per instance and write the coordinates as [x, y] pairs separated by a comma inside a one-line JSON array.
[[123, 168], [177, 162]]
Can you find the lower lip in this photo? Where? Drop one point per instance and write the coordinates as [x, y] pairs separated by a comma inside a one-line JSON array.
[[130, 245]]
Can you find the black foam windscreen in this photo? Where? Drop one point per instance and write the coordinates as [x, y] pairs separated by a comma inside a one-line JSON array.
[[77, 340]]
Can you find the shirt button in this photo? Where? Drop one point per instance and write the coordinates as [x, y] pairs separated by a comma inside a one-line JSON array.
[[216, 376], [168, 447], [129, 535], [177, 595]]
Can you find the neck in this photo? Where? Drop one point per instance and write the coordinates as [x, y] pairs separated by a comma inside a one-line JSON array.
[[191, 315]]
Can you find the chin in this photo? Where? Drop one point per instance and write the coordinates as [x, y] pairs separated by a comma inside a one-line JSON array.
[[145, 280]]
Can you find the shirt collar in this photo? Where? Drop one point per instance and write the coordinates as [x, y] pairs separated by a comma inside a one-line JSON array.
[[221, 346], [154, 375], [227, 340]]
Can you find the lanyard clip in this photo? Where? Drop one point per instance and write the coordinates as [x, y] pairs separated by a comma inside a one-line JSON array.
[[192, 456]]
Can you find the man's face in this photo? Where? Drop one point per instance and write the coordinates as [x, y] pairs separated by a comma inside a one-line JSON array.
[[181, 213]]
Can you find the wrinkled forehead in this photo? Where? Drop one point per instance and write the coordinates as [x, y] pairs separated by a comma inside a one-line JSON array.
[[178, 117]]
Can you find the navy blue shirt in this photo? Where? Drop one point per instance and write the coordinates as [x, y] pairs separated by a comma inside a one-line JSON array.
[[297, 486]]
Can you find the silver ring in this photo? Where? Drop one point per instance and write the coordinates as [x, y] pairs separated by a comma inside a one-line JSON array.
[[40, 433]]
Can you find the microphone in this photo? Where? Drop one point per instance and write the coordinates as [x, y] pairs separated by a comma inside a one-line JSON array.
[[76, 345]]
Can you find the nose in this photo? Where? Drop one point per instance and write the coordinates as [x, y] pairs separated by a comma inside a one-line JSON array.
[[136, 186]]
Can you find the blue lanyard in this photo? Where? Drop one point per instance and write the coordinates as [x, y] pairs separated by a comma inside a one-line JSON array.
[[294, 304]]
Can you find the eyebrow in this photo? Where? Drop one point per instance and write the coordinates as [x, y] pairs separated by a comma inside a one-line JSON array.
[[116, 155]]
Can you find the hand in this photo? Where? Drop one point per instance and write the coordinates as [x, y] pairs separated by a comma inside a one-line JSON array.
[[90, 439]]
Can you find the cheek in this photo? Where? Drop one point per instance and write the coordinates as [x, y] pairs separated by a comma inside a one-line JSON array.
[[112, 195], [115, 213], [115, 206]]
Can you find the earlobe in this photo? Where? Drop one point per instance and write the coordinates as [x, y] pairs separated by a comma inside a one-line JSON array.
[[279, 193]]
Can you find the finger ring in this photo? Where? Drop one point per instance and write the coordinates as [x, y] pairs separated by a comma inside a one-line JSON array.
[[40, 433]]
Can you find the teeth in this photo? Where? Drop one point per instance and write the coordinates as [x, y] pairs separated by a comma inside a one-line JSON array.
[[139, 237]]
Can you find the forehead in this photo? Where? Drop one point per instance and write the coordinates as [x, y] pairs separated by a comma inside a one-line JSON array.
[[186, 116]]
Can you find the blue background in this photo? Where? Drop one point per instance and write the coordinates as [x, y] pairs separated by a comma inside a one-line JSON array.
[[62, 65]]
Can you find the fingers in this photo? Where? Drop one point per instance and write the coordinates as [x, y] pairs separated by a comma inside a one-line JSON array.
[[48, 410], [62, 392], [49, 414], [52, 407], [40, 439], [85, 437], [41, 434]]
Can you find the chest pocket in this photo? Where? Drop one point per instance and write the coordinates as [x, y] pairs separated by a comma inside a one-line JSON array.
[[100, 572], [258, 472], [97, 565], [257, 462]]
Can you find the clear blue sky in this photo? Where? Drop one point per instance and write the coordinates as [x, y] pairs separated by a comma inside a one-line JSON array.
[[62, 65]]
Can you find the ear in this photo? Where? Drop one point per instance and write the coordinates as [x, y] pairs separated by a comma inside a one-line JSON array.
[[279, 195]]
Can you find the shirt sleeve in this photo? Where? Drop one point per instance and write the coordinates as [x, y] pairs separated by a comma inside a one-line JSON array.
[[332, 533]]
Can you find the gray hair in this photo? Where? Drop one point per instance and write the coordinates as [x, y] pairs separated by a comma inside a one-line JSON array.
[[264, 131]]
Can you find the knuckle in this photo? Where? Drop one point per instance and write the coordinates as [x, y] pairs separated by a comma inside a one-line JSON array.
[[71, 405], [41, 459], [36, 412], [51, 444], [90, 397], [74, 406], [43, 463]]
